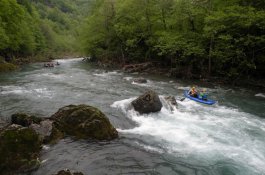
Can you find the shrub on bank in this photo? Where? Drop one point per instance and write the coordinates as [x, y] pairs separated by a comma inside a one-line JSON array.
[[5, 67]]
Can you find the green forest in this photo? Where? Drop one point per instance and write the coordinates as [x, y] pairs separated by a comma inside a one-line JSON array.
[[192, 38], [33, 28]]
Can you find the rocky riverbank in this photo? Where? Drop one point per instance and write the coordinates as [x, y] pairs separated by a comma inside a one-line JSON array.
[[157, 68], [21, 140]]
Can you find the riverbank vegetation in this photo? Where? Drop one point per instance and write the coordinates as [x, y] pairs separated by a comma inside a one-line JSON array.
[[190, 38], [193, 38], [39, 29]]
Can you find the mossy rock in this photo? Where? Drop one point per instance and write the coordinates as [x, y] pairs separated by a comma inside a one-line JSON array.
[[19, 149], [25, 119], [84, 122], [6, 67]]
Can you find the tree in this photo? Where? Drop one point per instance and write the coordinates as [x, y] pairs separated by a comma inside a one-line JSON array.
[[239, 39], [18, 33], [199, 37]]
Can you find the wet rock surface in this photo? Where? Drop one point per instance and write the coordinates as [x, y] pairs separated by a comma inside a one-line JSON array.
[[68, 172], [84, 121], [25, 119], [19, 149], [147, 103]]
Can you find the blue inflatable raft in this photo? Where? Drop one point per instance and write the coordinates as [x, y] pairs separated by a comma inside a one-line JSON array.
[[208, 101]]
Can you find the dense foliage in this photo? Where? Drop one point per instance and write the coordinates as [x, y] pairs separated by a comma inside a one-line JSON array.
[[39, 27], [193, 37]]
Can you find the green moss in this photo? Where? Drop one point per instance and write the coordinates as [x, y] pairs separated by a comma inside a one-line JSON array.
[[25, 119], [56, 135], [84, 121], [19, 146]]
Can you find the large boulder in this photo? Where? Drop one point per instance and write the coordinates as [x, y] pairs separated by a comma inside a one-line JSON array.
[[68, 172], [24, 119], [19, 149], [85, 122], [148, 102]]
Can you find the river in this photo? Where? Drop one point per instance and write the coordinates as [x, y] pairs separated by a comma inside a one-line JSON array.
[[227, 138]]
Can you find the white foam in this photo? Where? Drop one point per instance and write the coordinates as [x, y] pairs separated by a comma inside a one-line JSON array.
[[184, 88], [51, 76], [43, 92], [142, 84], [20, 90], [106, 74], [123, 105], [203, 131], [128, 78], [5, 90], [43, 161], [69, 60], [150, 148], [46, 147], [260, 95]]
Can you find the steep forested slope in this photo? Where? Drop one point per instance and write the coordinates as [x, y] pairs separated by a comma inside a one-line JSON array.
[[40, 27]]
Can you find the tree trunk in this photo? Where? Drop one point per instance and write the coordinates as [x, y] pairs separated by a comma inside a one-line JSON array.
[[164, 19], [210, 56], [147, 15], [123, 59]]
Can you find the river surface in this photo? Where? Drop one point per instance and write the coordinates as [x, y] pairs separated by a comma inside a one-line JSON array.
[[227, 138]]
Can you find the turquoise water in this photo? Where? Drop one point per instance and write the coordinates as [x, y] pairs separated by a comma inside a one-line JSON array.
[[224, 139]]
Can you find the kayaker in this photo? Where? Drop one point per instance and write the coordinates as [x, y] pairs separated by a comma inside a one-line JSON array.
[[193, 92], [203, 95]]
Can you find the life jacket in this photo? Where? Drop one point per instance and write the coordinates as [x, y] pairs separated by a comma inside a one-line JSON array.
[[203, 95]]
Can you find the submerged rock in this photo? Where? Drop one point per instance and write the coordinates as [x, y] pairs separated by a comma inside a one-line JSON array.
[[170, 103], [85, 122], [19, 149], [171, 100], [24, 119], [140, 80], [148, 102], [68, 172]]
